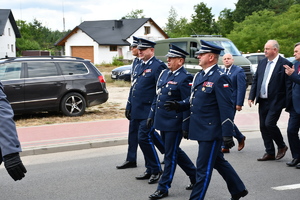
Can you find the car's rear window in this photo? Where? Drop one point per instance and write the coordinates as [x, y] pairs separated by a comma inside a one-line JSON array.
[[41, 69], [10, 71], [73, 68]]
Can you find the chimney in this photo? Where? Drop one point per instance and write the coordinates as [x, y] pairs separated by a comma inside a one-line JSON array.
[[118, 23]]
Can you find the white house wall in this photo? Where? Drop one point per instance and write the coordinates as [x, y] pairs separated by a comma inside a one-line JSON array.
[[102, 54], [8, 42], [80, 39]]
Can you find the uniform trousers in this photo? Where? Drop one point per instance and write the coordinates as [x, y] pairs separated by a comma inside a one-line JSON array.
[[145, 140], [174, 155], [292, 131], [209, 157], [270, 132], [133, 141]]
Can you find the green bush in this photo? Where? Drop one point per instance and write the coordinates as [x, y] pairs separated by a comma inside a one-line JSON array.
[[117, 61]]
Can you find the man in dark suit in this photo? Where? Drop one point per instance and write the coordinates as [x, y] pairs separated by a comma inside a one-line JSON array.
[[131, 157], [141, 96], [211, 123], [173, 84], [294, 109], [238, 81], [9, 142], [269, 89]]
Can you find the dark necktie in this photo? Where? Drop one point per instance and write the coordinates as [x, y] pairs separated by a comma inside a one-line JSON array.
[[202, 73], [226, 71]]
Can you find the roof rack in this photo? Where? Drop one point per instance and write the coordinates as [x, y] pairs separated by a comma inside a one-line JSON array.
[[206, 35], [44, 57]]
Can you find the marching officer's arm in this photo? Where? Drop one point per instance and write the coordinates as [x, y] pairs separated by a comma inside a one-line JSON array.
[[223, 92], [151, 115], [128, 105], [159, 69], [185, 90], [9, 142]]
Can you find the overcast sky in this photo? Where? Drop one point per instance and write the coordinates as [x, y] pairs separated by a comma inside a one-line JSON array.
[[52, 12]]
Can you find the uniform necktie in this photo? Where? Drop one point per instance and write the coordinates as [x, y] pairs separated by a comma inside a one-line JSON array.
[[142, 66], [202, 73], [267, 71]]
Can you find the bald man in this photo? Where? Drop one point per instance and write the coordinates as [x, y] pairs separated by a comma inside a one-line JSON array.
[[238, 79]]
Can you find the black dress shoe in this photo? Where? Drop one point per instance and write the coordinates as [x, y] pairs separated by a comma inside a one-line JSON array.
[[154, 178], [239, 195], [298, 166], [143, 176], [158, 194], [126, 164], [189, 186], [266, 157], [293, 163]]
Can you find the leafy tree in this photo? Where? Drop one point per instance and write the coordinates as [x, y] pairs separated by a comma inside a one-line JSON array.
[[251, 34], [280, 6], [245, 8], [285, 30], [172, 21], [176, 28], [202, 21], [225, 21], [134, 14], [37, 37]]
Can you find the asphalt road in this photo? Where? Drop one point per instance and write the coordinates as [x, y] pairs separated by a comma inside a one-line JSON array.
[[91, 174]]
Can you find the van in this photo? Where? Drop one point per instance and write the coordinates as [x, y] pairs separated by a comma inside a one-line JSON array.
[[193, 44]]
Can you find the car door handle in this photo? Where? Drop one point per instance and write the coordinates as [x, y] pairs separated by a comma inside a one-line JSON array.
[[58, 83], [16, 86]]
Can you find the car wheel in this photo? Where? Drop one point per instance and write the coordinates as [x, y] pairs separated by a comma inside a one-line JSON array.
[[73, 104]]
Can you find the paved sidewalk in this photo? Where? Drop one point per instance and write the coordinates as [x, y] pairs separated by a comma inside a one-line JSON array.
[[75, 136]]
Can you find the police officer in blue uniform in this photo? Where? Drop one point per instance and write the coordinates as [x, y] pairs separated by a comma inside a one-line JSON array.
[[130, 161], [211, 123], [9, 142], [173, 84], [142, 93]]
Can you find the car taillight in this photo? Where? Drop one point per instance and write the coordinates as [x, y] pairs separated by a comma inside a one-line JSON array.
[[101, 79]]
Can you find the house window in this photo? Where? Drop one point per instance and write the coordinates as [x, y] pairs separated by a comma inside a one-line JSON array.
[[147, 30], [9, 31], [113, 48], [12, 48]]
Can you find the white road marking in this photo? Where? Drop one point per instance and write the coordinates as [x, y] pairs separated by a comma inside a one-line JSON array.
[[287, 187]]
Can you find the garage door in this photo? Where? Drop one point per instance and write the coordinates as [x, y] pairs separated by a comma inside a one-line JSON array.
[[86, 52]]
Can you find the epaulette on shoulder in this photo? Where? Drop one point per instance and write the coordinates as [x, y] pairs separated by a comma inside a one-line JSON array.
[[221, 73]]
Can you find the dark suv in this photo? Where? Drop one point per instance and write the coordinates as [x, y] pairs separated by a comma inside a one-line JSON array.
[[66, 84]]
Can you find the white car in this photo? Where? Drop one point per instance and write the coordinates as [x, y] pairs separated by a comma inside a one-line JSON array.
[[255, 58]]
